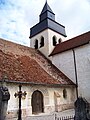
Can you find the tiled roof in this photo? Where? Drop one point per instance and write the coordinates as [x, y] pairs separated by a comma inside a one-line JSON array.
[[23, 64], [72, 43]]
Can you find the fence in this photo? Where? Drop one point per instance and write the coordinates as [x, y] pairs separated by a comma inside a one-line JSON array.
[[64, 118]]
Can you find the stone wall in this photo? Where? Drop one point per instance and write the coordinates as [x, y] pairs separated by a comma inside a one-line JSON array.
[[48, 95]]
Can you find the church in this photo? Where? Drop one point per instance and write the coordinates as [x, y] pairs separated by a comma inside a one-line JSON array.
[[47, 70]]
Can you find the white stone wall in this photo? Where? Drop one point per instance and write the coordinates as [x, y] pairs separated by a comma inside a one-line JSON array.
[[50, 36], [65, 62], [48, 42], [48, 95]]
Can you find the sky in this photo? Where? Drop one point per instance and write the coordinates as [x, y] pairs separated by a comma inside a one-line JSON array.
[[18, 16]]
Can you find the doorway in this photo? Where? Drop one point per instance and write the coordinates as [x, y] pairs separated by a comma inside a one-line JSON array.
[[37, 102]]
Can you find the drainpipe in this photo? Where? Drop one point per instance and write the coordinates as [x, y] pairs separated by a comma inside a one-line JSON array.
[[75, 72]]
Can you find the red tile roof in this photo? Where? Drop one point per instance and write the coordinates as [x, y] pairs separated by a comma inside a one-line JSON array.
[[23, 64], [72, 43]]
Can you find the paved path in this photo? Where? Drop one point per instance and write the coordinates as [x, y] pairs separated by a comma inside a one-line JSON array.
[[49, 116], [42, 117]]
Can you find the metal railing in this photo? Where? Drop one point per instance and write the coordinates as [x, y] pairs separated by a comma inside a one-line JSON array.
[[64, 117]]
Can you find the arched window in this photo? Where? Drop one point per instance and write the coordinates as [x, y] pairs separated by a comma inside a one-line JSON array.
[[54, 41], [42, 42], [36, 44], [60, 40], [64, 93]]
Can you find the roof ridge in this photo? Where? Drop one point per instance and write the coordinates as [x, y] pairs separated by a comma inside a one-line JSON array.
[[78, 36], [72, 43]]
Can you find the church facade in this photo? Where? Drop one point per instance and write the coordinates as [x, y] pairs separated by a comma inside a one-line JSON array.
[[40, 69], [47, 88], [72, 56]]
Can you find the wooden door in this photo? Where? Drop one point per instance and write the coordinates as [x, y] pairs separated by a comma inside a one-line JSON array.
[[37, 102]]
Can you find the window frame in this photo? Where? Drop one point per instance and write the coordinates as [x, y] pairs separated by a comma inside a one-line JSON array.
[[36, 44], [64, 93], [54, 38], [42, 42]]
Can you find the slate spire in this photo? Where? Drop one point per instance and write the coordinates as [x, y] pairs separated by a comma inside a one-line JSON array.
[[47, 13], [47, 20], [46, 8]]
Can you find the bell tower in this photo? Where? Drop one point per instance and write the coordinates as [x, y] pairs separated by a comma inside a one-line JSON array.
[[45, 35]]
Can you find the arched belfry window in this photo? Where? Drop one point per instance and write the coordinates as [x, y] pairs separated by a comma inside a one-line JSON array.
[[64, 93], [60, 40], [36, 44], [54, 41], [42, 42]]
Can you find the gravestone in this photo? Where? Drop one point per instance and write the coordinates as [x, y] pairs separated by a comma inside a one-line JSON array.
[[4, 97], [82, 109]]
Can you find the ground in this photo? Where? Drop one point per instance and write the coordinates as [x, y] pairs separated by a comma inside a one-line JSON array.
[[51, 116]]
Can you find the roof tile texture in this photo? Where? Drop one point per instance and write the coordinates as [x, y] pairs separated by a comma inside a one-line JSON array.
[[72, 43], [24, 64]]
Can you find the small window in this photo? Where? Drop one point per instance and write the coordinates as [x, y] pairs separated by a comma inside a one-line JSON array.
[[60, 40], [42, 42], [64, 93], [36, 44], [54, 41]]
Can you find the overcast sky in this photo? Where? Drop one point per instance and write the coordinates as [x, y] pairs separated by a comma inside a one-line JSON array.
[[17, 16]]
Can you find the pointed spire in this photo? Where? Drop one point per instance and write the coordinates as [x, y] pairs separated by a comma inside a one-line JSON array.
[[47, 21], [46, 8], [47, 13]]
